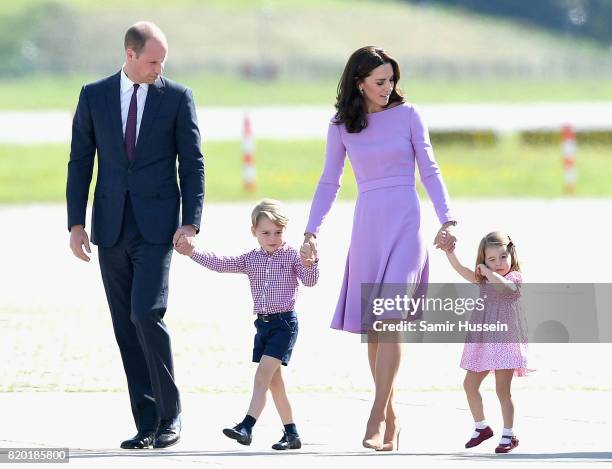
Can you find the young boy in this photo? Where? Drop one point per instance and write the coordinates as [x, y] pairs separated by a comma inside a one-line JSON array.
[[273, 271]]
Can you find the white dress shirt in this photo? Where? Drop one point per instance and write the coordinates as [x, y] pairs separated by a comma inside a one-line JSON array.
[[127, 88]]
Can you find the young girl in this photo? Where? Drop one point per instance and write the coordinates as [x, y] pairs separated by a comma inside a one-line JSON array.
[[273, 271], [499, 275]]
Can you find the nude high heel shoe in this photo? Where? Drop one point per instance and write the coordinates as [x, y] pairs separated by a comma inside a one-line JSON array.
[[393, 444], [374, 439]]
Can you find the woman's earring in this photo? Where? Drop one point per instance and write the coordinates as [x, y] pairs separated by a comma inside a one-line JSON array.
[[361, 90]]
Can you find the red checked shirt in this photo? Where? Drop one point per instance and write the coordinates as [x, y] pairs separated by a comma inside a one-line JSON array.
[[273, 278]]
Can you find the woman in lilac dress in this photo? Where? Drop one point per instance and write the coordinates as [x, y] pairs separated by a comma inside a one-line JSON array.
[[386, 140]]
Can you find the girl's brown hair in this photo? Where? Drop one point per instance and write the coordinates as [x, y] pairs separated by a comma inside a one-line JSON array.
[[350, 104], [497, 238]]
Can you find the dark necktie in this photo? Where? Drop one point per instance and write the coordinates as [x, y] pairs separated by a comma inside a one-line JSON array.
[[130, 126]]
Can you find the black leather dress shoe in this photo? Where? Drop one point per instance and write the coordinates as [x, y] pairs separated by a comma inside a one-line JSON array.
[[240, 434], [142, 440], [168, 433], [288, 441]]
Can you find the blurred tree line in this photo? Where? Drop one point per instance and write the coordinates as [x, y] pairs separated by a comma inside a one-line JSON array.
[[60, 37], [588, 18], [42, 37]]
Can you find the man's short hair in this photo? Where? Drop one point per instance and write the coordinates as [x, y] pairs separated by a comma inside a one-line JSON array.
[[138, 34]]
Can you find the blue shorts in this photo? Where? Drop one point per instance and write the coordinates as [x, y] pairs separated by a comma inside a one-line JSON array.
[[276, 337]]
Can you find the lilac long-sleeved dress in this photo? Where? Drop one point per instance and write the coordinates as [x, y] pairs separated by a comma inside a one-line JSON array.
[[386, 242]]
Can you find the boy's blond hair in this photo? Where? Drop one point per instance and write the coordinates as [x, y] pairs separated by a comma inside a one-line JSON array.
[[271, 209]]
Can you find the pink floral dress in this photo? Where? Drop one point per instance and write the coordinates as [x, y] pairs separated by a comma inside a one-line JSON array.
[[484, 351]]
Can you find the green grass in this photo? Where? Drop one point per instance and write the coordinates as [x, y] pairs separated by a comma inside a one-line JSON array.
[[289, 170], [49, 92]]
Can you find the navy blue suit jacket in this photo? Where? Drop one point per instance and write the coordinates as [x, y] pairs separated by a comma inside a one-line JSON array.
[[168, 128]]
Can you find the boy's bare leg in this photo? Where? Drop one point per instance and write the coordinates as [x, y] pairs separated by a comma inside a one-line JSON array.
[[291, 439], [268, 366], [279, 394]]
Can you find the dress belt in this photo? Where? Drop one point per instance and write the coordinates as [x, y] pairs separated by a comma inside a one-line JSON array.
[[385, 182]]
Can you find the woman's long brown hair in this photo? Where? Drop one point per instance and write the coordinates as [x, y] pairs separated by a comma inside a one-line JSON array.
[[350, 104]]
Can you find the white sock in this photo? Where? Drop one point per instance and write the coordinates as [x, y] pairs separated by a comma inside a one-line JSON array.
[[507, 434], [479, 426]]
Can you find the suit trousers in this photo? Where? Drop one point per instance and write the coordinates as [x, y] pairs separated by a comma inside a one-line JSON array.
[[135, 276]]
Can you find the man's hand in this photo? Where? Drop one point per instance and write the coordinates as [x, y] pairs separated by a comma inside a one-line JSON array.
[[78, 239], [188, 231], [185, 246], [445, 239]]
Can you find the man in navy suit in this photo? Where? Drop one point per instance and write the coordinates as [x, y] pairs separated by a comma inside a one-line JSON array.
[[138, 122]]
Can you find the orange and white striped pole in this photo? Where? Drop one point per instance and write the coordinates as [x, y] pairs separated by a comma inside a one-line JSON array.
[[248, 152], [569, 158]]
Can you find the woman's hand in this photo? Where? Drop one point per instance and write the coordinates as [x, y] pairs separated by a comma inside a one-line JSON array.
[[306, 255], [445, 239], [309, 247]]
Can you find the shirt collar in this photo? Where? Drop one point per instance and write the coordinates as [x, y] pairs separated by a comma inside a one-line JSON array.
[[127, 85], [283, 247]]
